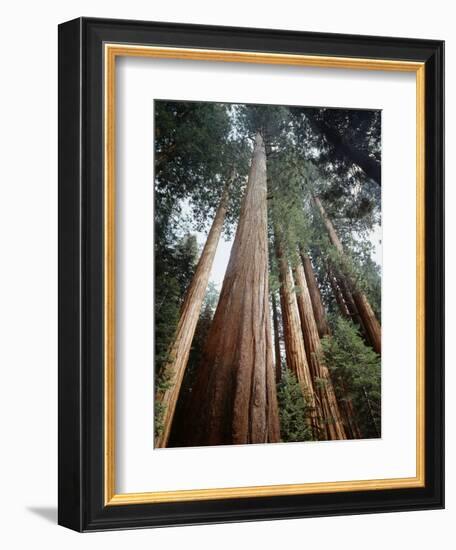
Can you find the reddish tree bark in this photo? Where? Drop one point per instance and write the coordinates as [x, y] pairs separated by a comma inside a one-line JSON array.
[[349, 301], [234, 399], [320, 373], [369, 320], [294, 345], [179, 350], [339, 296], [348, 415], [315, 296], [345, 404]]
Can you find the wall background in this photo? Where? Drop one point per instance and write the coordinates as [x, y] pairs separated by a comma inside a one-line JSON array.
[[28, 273]]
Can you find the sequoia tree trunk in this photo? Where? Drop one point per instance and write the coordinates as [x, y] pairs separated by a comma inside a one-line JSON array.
[[345, 299], [353, 310], [315, 296], [368, 319], [234, 398], [179, 350], [348, 415], [320, 373], [338, 296], [294, 344], [333, 237], [370, 323], [345, 404]]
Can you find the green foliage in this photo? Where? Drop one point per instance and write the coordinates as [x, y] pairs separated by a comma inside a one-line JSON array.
[[174, 267], [356, 373], [271, 121], [196, 153], [167, 303], [163, 381], [293, 410], [355, 265], [370, 281], [159, 415]]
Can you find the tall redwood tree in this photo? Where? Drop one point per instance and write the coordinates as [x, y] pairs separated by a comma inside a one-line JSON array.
[[234, 398], [322, 379]]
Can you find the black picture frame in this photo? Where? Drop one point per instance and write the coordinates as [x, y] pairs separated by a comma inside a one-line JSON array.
[[81, 428]]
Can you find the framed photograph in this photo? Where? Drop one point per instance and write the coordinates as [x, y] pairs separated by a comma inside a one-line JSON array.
[[250, 274]]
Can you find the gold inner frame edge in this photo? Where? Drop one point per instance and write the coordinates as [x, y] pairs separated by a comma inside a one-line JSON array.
[[111, 52]]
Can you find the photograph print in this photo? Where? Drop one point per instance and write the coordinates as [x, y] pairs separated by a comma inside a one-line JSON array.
[[267, 286]]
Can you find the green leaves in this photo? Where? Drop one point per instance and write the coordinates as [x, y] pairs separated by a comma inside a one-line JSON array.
[[293, 410], [192, 154], [174, 266], [356, 372]]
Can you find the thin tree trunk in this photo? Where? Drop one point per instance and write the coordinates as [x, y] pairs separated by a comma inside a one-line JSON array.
[[338, 296], [294, 344], [234, 400], [179, 350], [349, 419], [370, 323], [321, 376], [345, 404], [350, 303], [368, 319], [348, 413], [333, 237], [348, 306], [275, 319], [315, 296]]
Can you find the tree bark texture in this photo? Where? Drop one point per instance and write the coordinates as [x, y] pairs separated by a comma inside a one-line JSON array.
[[321, 377], [315, 296], [345, 299], [345, 404], [333, 237], [338, 296], [348, 415], [179, 350], [364, 309], [294, 344], [234, 399], [353, 311], [370, 323]]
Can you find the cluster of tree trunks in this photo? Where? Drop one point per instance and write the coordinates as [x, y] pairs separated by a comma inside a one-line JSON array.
[[356, 302], [345, 404], [334, 428], [233, 399], [297, 360]]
